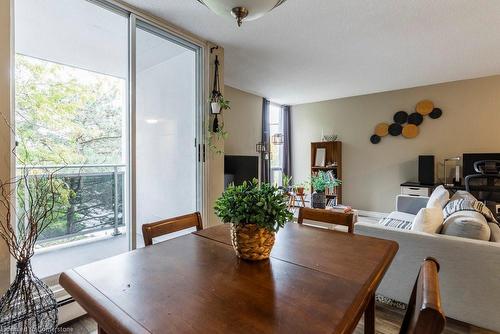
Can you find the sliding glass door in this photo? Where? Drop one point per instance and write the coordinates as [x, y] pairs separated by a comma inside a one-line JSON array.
[[166, 126], [112, 104]]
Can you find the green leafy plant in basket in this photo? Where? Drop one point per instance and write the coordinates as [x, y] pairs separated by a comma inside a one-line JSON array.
[[255, 212]]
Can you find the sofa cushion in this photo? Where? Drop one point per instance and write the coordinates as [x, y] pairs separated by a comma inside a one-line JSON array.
[[429, 220], [398, 219], [495, 232], [467, 224], [439, 197]]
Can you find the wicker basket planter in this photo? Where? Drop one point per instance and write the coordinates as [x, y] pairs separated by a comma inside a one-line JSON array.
[[251, 242]]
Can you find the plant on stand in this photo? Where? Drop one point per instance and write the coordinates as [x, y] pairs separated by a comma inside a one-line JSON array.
[[319, 183], [256, 212]]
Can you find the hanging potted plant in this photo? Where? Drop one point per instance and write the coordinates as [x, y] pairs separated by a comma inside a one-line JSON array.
[[29, 305], [320, 182], [256, 212]]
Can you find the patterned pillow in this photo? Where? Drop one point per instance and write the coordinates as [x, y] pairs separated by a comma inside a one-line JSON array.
[[397, 223]]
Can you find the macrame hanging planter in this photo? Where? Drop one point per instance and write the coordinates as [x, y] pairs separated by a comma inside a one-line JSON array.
[[215, 104]]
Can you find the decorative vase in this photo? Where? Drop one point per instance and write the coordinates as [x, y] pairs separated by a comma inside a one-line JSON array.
[[251, 242], [29, 305], [318, 200]]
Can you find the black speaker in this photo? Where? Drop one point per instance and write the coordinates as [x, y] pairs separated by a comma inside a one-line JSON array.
[[426, 169]]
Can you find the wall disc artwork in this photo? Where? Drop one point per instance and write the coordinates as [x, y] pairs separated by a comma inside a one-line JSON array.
[[401, 117], [382, 129], [436, 113], [406, 125], [415, 118], [374, 139], [395, 129], [424, 107], [410, 131]]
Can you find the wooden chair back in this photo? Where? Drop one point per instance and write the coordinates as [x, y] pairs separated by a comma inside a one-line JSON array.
[[424, 314], [153, 230], [327, 216]]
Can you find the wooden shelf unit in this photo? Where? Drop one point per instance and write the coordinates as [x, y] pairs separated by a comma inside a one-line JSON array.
[[333, 155]]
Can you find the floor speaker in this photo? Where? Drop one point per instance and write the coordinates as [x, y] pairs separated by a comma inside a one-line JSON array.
[[426, 169]]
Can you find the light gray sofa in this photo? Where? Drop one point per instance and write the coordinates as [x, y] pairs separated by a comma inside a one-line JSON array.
[[470, 269]]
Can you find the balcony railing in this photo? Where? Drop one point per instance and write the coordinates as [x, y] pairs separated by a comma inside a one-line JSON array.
[[90, 199]]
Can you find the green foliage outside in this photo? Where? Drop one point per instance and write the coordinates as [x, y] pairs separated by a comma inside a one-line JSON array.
[[253, 203], [70, 116]]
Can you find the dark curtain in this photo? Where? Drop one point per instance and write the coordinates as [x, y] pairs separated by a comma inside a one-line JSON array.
[[265, 165], [287, 149]]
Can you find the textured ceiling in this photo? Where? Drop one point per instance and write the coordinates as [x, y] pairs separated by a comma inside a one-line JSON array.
[[313, 50]]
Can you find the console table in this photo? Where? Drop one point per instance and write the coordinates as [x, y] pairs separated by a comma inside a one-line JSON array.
[[424, 190]]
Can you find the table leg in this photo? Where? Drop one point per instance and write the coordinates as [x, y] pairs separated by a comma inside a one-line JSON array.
[[100, 330], [370, 316]]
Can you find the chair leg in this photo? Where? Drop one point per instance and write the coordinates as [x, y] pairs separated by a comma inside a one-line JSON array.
[[370, 316]]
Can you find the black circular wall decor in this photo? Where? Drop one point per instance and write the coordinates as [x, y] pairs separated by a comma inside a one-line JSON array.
[[401, 117], [415, 118], [395, 129], [375, 139], [436, 113]]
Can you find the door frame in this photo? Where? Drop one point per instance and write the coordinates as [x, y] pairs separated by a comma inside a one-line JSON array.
[[200, 49]]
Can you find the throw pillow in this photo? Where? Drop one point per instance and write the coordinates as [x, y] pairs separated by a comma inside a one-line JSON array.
[[467, 224], [462, 194], [429, 220], [439, 197], [495, 232]]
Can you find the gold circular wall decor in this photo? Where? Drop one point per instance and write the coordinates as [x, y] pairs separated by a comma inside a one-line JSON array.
[[382, 129], [424, 107], [410, 131]]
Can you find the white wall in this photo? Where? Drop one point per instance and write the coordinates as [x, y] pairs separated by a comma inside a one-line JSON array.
[[166, 156], [243, 122], [372, 173]]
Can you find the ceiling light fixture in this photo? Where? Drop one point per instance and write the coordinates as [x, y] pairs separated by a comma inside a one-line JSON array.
[[242, 10]]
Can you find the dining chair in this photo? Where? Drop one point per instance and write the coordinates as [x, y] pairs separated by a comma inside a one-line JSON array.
[[327, 216], [162, 227], [424, 314]]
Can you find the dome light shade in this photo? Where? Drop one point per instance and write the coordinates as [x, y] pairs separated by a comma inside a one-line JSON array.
[[242, 10]]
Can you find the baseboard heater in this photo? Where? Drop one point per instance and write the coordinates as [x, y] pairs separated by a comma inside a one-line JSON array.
[[68, 309]]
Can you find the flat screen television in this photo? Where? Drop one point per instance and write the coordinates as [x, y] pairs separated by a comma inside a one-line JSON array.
[[239, 168], [470, 158]]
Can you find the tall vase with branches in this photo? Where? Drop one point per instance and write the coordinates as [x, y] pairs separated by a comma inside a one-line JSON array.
[[27, 204]]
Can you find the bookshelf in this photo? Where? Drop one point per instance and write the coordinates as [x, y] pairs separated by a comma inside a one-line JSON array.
[[333, 162]]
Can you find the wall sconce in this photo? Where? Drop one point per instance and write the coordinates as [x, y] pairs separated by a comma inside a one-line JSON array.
[[262, 149], [278, 139], [457, 171]]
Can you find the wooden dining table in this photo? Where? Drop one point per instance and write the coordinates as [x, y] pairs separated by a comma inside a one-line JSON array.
[[316, 281]]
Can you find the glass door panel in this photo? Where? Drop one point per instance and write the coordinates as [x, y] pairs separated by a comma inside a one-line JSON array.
[[71, 79], [166, 160]]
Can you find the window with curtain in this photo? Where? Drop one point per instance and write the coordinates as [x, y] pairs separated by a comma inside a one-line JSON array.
[[276, 151]]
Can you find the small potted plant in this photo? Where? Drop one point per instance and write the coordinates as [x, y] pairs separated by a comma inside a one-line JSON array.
[[320, 182], [286, 183], [256, 212], [300, 188]]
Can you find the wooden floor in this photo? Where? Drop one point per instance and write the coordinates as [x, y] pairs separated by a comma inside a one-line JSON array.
[[388, 321]]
